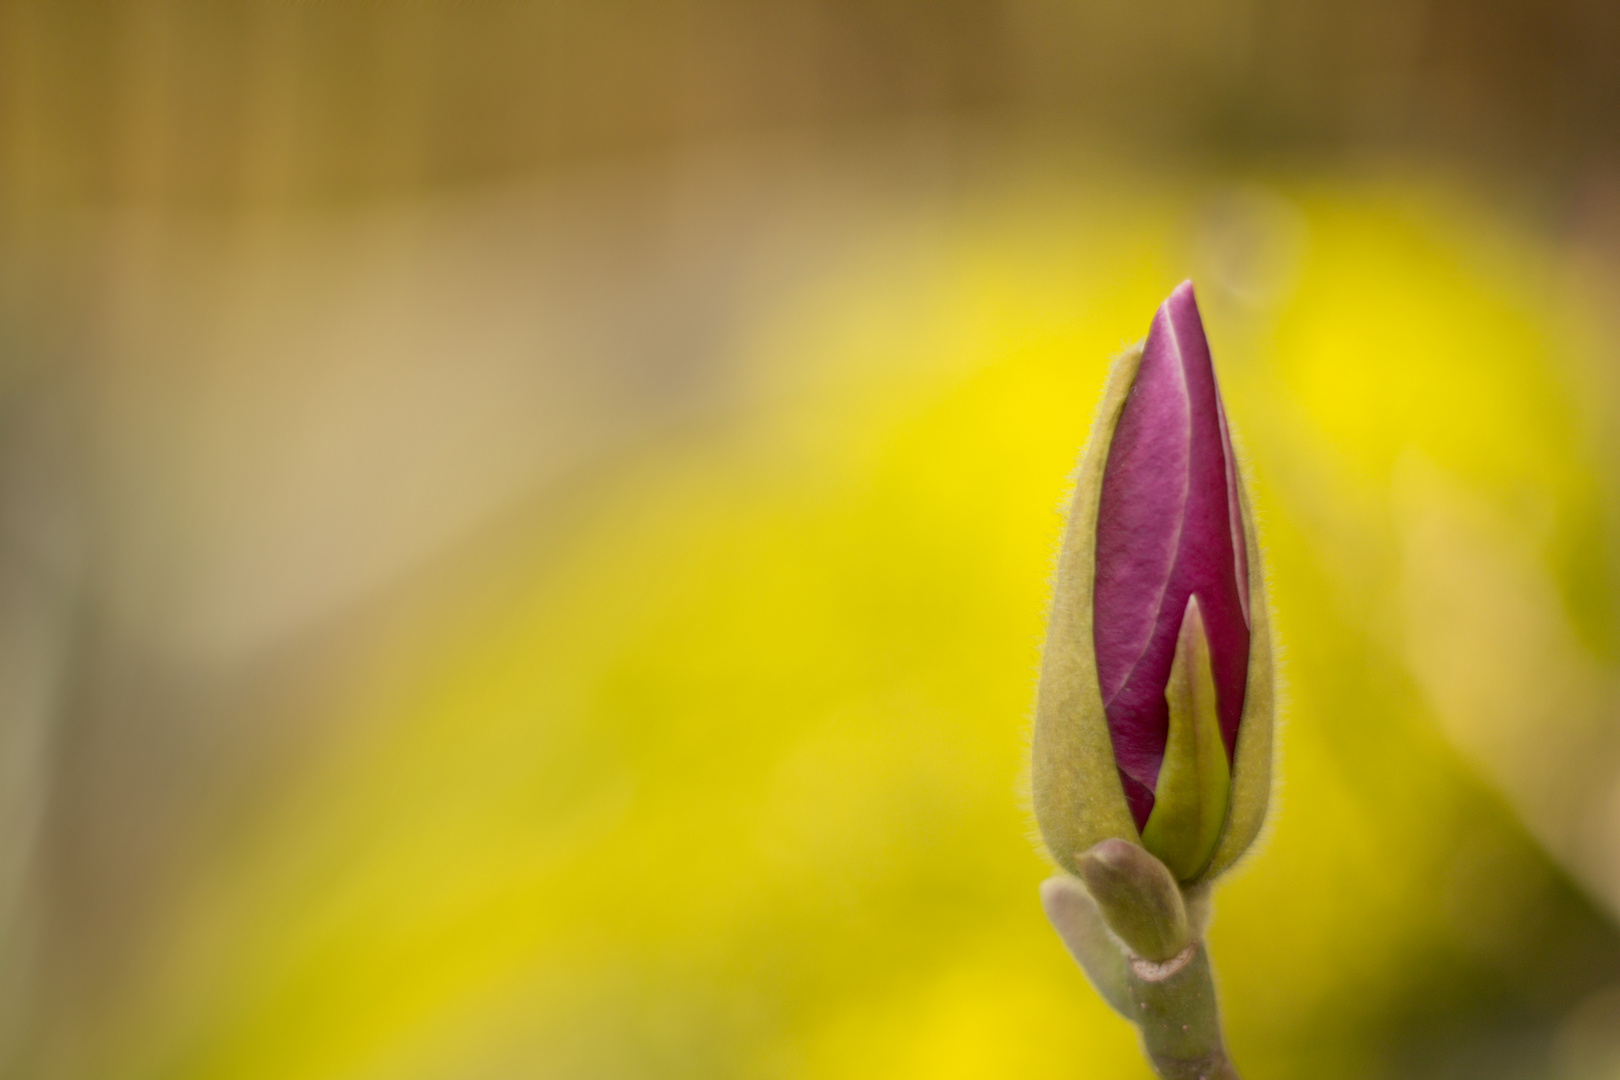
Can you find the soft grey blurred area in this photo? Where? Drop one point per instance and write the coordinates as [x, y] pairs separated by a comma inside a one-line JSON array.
[[273, 431]]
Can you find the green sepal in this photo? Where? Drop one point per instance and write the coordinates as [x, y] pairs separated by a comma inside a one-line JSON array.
[[1195, 779], [1252, 762], [1077, 794]]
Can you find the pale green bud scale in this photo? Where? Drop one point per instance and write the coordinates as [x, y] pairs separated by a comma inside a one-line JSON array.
[[1195, 780]]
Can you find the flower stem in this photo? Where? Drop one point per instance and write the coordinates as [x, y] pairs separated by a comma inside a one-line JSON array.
[[1174, 1006], [1171, 1003]]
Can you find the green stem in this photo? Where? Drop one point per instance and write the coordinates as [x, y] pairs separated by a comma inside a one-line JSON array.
[[1171, 1003], [1174, 1006]]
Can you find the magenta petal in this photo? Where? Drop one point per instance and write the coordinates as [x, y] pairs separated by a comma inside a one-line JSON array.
[[1138, 796], [1234, 504], [1144, 495], [1168, 526]]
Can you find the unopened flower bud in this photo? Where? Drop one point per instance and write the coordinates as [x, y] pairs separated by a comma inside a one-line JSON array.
[[1154, 714]]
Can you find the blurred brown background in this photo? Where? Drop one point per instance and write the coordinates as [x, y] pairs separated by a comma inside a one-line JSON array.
[[212, 106]]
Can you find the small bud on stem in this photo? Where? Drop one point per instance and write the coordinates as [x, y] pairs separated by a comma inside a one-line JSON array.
[[1138, 899]]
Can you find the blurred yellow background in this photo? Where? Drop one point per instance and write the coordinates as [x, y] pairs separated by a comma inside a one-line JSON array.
[[525, 527]]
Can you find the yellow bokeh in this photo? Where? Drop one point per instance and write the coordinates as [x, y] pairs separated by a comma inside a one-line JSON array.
[[719, 772]]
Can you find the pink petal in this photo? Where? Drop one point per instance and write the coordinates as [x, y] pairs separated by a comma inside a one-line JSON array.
[[1168, 526]]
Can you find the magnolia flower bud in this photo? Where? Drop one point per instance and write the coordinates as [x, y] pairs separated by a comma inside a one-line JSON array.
[[1154, 715], [1137, 899]]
